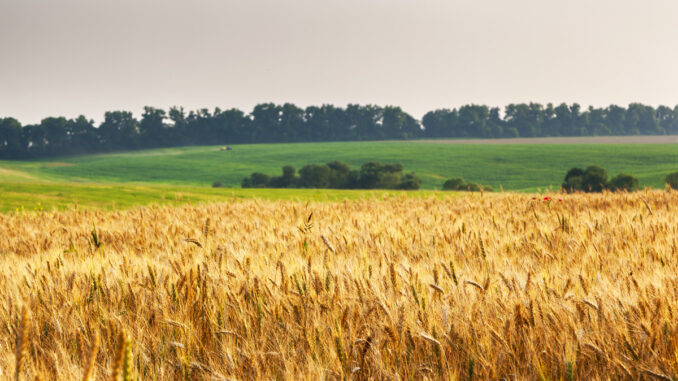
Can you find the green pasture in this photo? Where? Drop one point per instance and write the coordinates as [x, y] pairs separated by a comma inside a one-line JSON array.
[[31, 197], [181, 175], [514, 167]]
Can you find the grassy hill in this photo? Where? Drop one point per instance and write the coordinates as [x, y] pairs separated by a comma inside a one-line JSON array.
[[37, 197], [521, 167]]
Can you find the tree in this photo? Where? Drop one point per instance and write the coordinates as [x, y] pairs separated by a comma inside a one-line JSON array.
[[338, 174], [410, 182], [595, 179], [256, 180], [472, 121], [314, 176], [119, 130], [369, 175], [57, 140], [435, 123], [455, 184], [152, 128], [287, 180], [573, 180], [34, 138], [11, 144], [527, 119], [672, 180], [292, 126], [83, 135], [615, 117], [289, 172], [397, 124], [266, 123], [623, 182]]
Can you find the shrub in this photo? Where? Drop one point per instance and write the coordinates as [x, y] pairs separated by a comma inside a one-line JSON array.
[[573, 180], [672, 180], [473, 187], [459, 184], [455, 184], [256, 180], [289, 172], [410, 182], [593, 179], [217, 184], [623, 181], [314, 176]]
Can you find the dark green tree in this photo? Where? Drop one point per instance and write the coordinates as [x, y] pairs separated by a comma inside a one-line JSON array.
[[314, 176], [11, 143], [152, 130], [573, 180], [119, 130], [672, 180], [455, 184], [256, 180], [410, 182], [623, 182], [595, 179]]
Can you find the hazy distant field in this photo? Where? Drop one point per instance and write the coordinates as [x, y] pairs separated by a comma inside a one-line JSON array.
[[512, 166]]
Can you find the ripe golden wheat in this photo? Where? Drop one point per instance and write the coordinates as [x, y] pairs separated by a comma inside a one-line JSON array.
[[477, 287]]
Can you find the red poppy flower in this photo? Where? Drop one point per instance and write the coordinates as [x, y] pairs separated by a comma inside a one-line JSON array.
[[547, 198]]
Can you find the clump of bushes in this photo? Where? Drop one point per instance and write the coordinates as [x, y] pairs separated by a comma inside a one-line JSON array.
[[338, 175], [460, 184], [594, 179], [672, 180]]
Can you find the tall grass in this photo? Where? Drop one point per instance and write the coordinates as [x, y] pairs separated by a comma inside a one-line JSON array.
[[477, 287]]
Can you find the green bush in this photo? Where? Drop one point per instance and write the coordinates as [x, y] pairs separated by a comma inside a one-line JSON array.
[[410, 182], [672, 180], [593, 179], [459, 184], [455, 184], [624, 182], [256, 180]]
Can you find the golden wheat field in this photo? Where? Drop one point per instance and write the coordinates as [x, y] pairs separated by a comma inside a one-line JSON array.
[[499, 286]]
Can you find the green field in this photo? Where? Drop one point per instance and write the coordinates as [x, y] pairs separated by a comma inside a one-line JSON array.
[[131, 178], [32, 197]]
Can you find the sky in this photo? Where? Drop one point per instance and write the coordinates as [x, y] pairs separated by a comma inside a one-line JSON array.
[[73, 57]]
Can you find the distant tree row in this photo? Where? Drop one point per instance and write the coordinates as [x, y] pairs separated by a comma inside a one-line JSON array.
[[337, 175], [268, 123]]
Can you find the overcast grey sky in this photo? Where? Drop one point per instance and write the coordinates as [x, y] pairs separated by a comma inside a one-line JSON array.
[[71, 57]]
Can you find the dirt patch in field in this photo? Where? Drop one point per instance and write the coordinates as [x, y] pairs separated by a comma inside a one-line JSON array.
[[662, 139]]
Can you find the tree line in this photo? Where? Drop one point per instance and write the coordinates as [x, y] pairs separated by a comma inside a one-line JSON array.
[[273, 123], [336, 175]]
